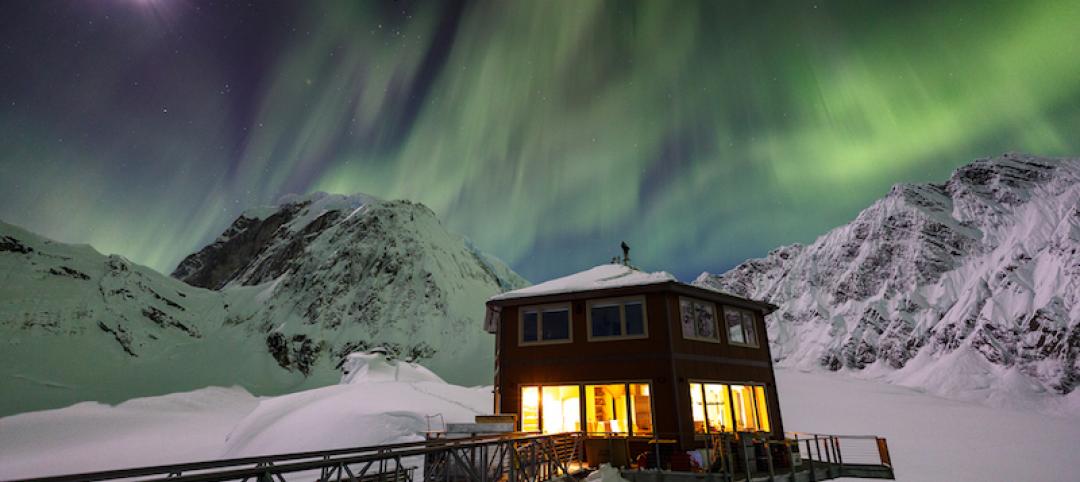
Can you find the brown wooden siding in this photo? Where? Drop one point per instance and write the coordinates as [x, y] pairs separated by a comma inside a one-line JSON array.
[[665, 359]]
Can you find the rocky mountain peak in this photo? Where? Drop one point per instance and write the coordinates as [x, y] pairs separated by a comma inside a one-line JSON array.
[[985, 262]]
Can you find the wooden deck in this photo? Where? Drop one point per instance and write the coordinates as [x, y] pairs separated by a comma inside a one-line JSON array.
[[822, 471]]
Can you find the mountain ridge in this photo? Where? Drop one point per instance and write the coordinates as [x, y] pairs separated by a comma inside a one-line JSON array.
[[350, 273], [985, 263]]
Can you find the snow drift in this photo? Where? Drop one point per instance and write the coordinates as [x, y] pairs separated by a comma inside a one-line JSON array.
[[380, 400]]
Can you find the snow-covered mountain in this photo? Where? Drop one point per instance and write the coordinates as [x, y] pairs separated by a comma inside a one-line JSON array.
[[297, 287], [970, 288], [335, 274]]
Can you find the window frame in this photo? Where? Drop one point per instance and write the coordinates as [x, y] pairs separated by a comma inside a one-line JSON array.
[[621, 302], [731, 405], [540, 324], [716, 320], [742, 323], [582, 395]]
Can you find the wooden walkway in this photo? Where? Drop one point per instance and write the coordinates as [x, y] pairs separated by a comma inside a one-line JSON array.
[[821, 471]]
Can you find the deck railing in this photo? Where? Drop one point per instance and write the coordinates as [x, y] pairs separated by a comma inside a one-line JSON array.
[[819, 456], [508, 457], [845, 455], [523, 458]]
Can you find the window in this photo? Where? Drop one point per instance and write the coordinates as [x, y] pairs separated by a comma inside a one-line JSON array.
[[530, 409], [617, 319], [562, 408], [614, 408], [725, 408], [740, 326], [698, 320], [605, 408], [711, 408], [641, 408], [619, 408], [545, 324]]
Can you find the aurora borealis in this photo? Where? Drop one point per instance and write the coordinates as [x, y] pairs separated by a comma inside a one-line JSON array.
[[545, 131]]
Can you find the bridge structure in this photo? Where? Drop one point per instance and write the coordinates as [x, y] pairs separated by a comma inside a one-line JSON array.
[[522, 457]]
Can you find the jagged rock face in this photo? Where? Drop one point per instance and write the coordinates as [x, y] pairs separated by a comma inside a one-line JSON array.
[[220, 262], [988, 262], [341, 273]]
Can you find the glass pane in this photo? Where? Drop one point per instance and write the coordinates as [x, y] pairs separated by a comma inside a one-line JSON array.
[[686, 309], [706, 320], [717, 406], [697, 407], [528, 326], [748, 328], [605, 321], [556, 325], [605, 408], [641, 407], [530, 409], [734, 326], [635, 318], [742, 399], [562, 409], [762, 411]]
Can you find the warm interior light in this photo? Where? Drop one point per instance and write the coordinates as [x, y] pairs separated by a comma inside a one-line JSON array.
[[562, 409], [641, 409], [762, 410], [530, 409], [605, 407]]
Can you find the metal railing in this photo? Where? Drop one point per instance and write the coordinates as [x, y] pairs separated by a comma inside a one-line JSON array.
[[820, 456], [508, 457], [865, 456]]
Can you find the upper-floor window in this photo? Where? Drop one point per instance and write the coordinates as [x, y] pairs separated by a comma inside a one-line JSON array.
[[545, 324], [698, 319], [740, 326], [617, 319]]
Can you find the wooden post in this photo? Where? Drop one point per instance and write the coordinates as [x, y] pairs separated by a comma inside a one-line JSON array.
[[768, 456], [810, 459], [791, 456], [746, 453], [883, 452]]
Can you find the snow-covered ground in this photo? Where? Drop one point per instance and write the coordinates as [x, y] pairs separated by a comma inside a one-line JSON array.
[[930, 438]]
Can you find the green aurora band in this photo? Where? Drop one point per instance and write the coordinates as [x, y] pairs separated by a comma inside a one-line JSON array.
[[547, 132]]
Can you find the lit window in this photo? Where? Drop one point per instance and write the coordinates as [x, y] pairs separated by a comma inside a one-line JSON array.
[[530, 409], [549, 324], [719, 408], [698, 320], [641, 408], [605, 408], [762, 411], [562, 408], [697, 407], [743, 398], [717, 402], [617, 319], [740, 326], [616, 408]]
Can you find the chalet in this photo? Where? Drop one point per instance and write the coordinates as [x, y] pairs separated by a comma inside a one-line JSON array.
[[617, 352]]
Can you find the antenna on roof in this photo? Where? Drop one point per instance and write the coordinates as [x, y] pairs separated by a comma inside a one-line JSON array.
[[625, 254]]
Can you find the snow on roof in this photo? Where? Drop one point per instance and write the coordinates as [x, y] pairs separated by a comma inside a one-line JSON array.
[[601, 277]]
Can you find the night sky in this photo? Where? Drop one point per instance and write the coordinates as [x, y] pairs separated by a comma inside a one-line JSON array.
[[546, 131]]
